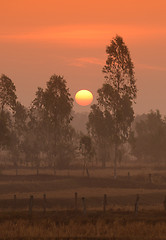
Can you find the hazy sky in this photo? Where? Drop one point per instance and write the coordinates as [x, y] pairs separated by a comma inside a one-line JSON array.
[[39, 38]]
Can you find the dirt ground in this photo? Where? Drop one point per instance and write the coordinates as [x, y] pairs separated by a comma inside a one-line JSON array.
[[60, 189]]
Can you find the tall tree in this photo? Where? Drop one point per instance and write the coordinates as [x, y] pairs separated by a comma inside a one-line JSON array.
[[52, 113], [118, 93]]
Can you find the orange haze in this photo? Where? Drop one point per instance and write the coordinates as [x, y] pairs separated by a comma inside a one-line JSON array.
[[68, 37]]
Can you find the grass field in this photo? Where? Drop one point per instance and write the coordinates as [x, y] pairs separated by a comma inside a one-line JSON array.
[[61, 220]]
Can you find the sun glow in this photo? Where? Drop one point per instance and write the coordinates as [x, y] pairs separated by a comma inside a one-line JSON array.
[[84, 97]]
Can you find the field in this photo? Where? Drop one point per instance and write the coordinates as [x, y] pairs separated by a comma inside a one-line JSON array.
[[59, 216]]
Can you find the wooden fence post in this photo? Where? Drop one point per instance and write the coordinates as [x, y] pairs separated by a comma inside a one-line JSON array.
[[16, 170], [68, 172], [136, 204], [54, 169], [15, 201], [104, 202], [164, 203], [87, 172], [30, 205], [150, 177], [84, 205], [76, 201], [37, 171], [44, 203]]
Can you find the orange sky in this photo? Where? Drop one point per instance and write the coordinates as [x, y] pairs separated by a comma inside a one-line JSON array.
[[41, 37]]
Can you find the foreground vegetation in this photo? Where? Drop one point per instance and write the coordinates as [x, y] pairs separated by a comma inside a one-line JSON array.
[[113, 225]]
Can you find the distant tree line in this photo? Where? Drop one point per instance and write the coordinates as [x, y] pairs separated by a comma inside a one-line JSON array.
[[148, 137], [43, 135]]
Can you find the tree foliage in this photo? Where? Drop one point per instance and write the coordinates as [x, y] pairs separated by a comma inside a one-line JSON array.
[[119, 69], [55, 102], [7, 93]]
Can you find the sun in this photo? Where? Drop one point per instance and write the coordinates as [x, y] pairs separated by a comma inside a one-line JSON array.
[[84, 97]]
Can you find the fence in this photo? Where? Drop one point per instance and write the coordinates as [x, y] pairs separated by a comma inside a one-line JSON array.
[[44, 204]]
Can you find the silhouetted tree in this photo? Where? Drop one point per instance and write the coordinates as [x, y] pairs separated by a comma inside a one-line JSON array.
[[87, 151], [100, 127], [7, 108], [51, 111], [118, 93]]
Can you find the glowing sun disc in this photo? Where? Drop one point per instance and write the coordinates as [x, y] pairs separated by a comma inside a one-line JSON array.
[[84, 97]]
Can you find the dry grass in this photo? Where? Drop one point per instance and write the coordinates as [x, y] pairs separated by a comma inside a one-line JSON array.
[[119, 226]]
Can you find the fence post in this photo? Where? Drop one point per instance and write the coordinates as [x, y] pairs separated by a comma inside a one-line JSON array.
[[68, 172], [164, 203], [104, 203], [150, 177], [87, 172], [136, 204], [54, 169], [30, 205], [37, 171], [14, 201], [76, 201], [44, 203], [84, 205], [16, 170]]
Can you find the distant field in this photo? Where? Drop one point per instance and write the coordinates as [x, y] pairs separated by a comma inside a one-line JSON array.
[[60, 189]]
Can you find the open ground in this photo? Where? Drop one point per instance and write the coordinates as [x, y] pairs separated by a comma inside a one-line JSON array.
[[62, 218]]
